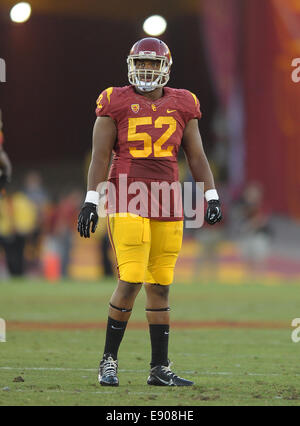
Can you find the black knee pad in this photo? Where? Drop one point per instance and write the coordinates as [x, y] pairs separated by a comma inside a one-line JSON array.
[[120, 309], [158, 310]]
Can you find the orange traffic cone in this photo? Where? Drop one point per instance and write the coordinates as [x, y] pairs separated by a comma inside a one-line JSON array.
[[52, 267]]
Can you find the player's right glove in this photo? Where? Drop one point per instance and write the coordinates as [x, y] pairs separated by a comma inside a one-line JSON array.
[[88, 216], [213, 212]]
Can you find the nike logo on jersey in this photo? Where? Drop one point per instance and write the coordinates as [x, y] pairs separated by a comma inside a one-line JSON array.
[[171, 110]]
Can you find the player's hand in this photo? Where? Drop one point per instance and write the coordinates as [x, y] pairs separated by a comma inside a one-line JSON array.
[[88, 216], [213, 212]]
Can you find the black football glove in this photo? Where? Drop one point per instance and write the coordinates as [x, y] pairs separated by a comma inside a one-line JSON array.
[[213, 212], [3, 181], [88, 216]]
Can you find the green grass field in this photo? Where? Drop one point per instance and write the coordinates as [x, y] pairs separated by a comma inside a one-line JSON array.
[[247, 358]]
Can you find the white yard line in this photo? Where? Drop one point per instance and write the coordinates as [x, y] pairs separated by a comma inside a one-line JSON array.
[[47, 369], [204, 373], [83, 392], [66, 369]]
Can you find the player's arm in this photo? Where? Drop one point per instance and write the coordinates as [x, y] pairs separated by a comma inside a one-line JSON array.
[[5, 163], [200, 169], [104, 136], [5, 167]]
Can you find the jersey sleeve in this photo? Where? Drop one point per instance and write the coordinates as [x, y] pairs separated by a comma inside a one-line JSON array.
[[191, 106], [1, 138], [105, 104]]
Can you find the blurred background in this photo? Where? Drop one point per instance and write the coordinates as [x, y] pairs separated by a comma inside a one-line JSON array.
[[235, 55]]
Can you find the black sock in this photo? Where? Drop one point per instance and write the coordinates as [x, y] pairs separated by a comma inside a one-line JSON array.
[[159, 335], [114, 334]]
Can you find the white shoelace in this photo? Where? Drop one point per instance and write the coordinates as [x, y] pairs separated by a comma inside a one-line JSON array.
[[168, 371], [110, 367]]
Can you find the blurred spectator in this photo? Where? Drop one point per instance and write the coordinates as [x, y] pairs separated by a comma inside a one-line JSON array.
[[250, 219], [35, 191], [18, 217], [64, 219]]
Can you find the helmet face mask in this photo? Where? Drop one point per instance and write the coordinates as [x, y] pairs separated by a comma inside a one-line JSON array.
[[148, 79]]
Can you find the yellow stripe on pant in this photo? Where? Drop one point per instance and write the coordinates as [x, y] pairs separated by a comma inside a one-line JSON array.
[[146, 250]]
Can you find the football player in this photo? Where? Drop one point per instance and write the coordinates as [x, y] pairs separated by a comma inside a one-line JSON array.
[[5, 164], [143, 125]]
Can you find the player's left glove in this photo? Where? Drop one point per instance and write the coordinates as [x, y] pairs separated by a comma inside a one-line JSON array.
[[88, 216], [213, 212]]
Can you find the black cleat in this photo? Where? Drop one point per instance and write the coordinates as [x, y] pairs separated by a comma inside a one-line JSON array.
[[108, 369], [163, 376]]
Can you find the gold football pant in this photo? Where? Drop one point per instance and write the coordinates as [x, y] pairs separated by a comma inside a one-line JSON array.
[[146, 250]]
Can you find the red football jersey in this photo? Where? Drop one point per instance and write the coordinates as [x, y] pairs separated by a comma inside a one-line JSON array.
[[1, 138], [149, 135]]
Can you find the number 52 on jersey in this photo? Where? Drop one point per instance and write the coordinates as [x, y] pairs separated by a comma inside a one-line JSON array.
[[149, 147]]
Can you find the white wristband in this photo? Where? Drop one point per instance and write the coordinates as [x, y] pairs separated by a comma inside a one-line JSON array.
[[92, 197], [211, 194]]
